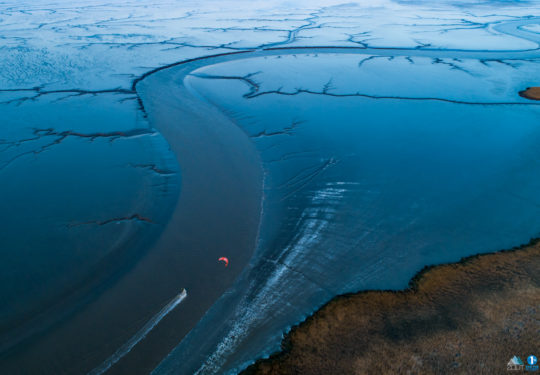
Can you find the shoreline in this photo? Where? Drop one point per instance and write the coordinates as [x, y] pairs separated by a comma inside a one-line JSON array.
[[300, 337], [532, 93], [118, 64]]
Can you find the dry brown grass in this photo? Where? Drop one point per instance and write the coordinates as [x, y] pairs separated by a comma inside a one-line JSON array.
[[464, 318], [531, 93]]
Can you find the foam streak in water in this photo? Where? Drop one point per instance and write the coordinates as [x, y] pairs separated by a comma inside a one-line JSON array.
[[141, 334], [313, 222]]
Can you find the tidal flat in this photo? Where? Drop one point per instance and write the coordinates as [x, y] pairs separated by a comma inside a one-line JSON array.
[[323, 148], [372, 163]]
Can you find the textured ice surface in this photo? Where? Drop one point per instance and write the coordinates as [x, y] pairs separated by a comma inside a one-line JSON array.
[[96, 45], [71, 126], [453, 79]]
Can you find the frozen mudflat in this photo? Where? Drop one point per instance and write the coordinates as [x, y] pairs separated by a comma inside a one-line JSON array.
[[384, 137]]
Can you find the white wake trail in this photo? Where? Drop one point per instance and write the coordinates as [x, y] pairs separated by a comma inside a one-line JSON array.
[[141, 334]]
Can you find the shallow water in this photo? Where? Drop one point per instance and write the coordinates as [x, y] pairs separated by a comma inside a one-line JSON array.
[[87, 186], [403, 146], [375, 166]]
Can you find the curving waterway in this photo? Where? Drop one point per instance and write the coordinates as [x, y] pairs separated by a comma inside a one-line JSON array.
[[315, 170]]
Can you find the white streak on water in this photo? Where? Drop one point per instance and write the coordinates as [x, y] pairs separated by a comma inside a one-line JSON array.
[[315, 220], [141, 334]]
